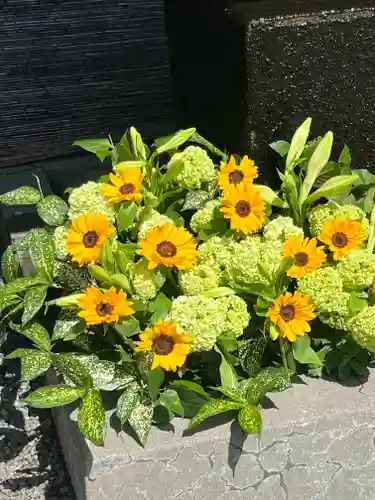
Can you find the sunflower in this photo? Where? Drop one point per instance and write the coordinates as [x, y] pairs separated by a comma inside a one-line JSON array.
[[170, 246], [125, 186], [306, 255], [99, 307], [243, 205], [342, 235], [291, 313], [169, 347], [85, 236], [233, 174]]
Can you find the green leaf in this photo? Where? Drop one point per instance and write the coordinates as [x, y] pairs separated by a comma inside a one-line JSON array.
[[212, 408], [176, 140], [270, 197], [126, 216], [304, 353], [52, 210], [155, 381], [93, 145], [281, 147], [91, 417], [36, 333], [102, 371], [250, 353], [34, 364], [368, 201], [228, 374], [123, 262], [20, 353], [175, 216], [68, 326], [198, 139], [123, 376], [332, 186], [41, 250], [73, 369], [273, 331], [159, 307], [127, 327], [356, 304], [269, 380], [191, 386], [8, 301], [141, 420], [365, 178], [25, 195], [232, 394], [10, 263], [107, 259], [171, 400], [121, 281], [19, 285], [250, 419], [173, 171], [127, 402], [138, 146], [32, 303], [52, 396], [316, 163], [345, 156], [297, 144], [99, 273], [130, 164]]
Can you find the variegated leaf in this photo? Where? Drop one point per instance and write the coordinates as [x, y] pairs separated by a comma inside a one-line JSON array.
[[36, 333], [127, 402], [91, 417], [141, 420], [52, 210], [212, 408], [34, 364], [33, 301], [41, 250], [250, 419], [52, 396]]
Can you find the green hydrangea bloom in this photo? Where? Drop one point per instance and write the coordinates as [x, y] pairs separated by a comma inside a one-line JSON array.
[[145, 286], [198, 168], [325, 289], [362, 328], [199, 317], [203, 217], [89, 198], [154, 220], [237, 316], [357, 270], [59, 237], [281, 228], [214, 252], [320, 214], [199, 279]]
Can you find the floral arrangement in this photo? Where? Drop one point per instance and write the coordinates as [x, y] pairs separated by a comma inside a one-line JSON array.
[[188, 288]]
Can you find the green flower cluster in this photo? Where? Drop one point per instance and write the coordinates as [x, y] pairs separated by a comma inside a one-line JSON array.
[[197, 167], [320, 214], [362, 328], [146, 283], [281, 229], [325, 289], [202, 218], [205, 319], [199, 279], [155, 219], [89, 198], [357, 270], [59, 237]]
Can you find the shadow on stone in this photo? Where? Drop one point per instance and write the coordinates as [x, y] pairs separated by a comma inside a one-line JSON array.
[[235, 448]]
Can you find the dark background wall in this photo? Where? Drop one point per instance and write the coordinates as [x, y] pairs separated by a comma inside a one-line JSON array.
[[80, 68]]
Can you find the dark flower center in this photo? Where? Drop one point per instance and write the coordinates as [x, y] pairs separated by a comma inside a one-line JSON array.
[[102, 309], [287, 313], [236, 177], [166, 249], [90, 239], [340, 240], [243, 208], [163, 345], [127, 188], [301, 259]]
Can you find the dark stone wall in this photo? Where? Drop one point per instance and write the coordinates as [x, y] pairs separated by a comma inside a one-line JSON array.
[[78, 68]]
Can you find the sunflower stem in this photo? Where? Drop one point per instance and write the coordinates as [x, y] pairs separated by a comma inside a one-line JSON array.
[[283, 354]]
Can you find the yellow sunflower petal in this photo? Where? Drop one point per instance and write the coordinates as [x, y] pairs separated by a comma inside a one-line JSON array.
[[341, 236]]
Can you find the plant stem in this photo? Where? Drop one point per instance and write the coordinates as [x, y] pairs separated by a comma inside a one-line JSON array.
[[283, 354], [39, 185]]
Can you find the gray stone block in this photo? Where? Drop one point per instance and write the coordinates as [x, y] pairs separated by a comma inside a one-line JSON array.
[[317, 444], [314, 59]]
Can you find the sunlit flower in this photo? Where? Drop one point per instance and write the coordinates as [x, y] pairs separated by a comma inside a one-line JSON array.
[[243, 205], [291, 314], [233, 174], [99, 307], [342, 235], [169, 246], [306, 255], [169, 347], [85, 237], [125, 186]]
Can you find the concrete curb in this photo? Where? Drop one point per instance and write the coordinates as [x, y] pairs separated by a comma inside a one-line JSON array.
[[317, 444]]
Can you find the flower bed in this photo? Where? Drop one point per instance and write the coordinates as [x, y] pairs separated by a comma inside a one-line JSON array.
[[189, 289]]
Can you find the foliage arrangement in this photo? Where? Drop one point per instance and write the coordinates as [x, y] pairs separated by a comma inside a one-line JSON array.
[[188, 288]]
